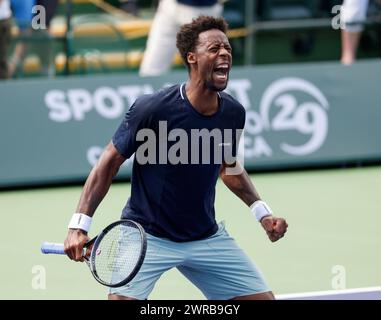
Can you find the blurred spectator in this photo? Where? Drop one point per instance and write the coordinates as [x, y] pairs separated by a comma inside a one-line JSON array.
[[353, 14], [22, 12], [161, 43], [45, 48], [50, 9], [129, 6], [5, 35]]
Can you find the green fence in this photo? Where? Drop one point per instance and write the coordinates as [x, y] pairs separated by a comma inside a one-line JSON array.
[[52, 131]]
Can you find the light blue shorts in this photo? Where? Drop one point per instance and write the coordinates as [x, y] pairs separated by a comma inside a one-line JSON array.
[[216, 265]]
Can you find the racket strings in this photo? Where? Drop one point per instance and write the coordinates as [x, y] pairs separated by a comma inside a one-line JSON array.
[[118, 253]]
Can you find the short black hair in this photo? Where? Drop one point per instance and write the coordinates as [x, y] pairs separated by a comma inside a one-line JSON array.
[[187, 37]]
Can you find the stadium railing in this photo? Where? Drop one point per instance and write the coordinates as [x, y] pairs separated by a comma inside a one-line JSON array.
[[254, 35]]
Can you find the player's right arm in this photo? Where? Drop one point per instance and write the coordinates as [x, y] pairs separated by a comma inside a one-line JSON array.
[[122, 147], [96, 187]]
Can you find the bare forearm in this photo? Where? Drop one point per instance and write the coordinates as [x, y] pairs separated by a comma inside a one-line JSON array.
[[99, 181], [93, 192], [241, 186]]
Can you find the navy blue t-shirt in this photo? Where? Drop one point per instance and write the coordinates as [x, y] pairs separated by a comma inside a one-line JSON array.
[[198, 3], [175, 200]]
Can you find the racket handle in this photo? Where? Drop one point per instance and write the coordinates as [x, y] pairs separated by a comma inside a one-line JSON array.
[[55, 248]]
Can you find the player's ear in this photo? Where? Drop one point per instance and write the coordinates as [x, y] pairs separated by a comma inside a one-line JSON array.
[[191, 58]]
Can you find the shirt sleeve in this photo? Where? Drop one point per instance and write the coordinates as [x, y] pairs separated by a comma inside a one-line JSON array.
[[240, 125], [124, 138], [242, 118]]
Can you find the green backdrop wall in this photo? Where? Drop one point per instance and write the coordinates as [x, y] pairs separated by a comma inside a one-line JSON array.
[[53, 130]]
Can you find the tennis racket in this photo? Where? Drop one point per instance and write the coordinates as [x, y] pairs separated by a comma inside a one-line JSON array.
[[116, 254]]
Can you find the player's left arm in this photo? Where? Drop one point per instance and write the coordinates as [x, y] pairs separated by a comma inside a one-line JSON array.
[[241, 185]]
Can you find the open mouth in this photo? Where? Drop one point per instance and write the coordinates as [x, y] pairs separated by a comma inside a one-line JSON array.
[[221, 72]]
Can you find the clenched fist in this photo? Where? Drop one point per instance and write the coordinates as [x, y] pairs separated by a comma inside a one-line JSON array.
[[274, 227]]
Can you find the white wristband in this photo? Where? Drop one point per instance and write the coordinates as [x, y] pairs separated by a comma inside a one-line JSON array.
[[260, 209], [80, 221]]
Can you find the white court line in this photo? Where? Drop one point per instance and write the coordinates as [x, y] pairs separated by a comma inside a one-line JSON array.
[[373, 293]]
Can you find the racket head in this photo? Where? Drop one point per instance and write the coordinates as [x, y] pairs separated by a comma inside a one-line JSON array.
[[118, 253]]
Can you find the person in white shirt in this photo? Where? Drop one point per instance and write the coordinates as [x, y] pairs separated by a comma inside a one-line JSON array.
[[353, 14], [5, 36], [161, 43]]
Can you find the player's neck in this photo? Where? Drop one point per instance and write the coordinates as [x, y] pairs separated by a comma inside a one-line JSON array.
[[205, 101]]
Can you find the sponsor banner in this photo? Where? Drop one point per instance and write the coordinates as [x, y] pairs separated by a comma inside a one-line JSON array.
[[296, 115]]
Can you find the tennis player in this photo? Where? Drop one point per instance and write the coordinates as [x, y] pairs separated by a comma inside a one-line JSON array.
[[175, 202]]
